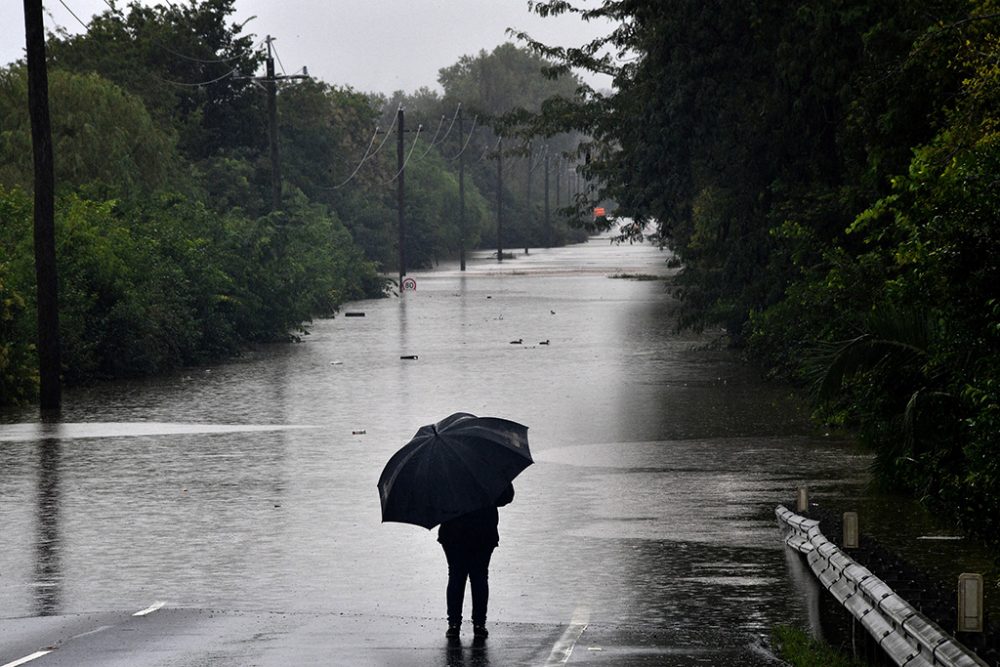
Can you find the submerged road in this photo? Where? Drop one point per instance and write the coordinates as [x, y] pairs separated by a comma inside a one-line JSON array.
[[229, 515]]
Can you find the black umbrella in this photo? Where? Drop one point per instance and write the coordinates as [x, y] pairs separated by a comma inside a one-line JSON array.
[[461, 464]]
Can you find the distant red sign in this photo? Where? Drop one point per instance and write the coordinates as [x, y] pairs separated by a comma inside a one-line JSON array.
[[599, 212]]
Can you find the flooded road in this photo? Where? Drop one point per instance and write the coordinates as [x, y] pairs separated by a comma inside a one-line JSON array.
[[250, 486]]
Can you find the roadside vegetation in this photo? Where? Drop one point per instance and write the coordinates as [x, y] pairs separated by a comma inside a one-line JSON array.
[[828, 175], [797, 648], [170, 249]]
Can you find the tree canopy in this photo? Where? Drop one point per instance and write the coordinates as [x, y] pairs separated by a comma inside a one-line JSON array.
[[827, 175]]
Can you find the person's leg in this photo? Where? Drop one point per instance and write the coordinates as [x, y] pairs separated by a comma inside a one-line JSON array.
[[479, 578], [458, 572]]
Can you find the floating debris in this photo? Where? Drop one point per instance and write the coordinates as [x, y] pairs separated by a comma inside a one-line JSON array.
[[354, 313]]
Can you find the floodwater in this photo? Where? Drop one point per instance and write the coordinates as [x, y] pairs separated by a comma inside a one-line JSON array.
[[251, 485]]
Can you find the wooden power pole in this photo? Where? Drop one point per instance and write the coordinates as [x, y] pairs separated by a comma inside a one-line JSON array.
[[500, 199], [548, 221], [50, 396], [401, 194], [270, 82], [530, 212], [461, 192], [272, 128]]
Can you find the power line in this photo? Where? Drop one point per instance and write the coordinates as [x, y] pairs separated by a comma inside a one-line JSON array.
[[487, 149], [452, 124], [202, 60], [542, 152], [467, 140], [407, 160], [368, 156], [433, 139], [281, 64], [358, 168], [73, 14], [200, 83]]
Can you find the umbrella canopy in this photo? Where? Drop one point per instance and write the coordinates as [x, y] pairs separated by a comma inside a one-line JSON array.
[[458, 465]]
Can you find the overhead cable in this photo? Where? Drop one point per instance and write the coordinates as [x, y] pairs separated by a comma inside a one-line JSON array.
[[433, 140], [487, 149], [358, 168], [406, 161], [281, 64], [73, 14], [452, 124], [198, 60], [543, 151], [198, 84], [367, 155], [467, 140]]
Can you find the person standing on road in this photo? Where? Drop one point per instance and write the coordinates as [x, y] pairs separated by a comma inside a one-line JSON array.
[[469, 541]]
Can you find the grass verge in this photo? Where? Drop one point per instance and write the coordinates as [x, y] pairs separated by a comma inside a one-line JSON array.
[[799, 649]]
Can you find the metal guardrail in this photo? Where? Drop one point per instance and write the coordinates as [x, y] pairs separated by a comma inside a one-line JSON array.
[[907, 636]]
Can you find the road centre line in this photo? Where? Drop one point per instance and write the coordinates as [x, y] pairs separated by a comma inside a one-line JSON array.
[[91, 632], [27, 658], [563, 648], [145, 612]]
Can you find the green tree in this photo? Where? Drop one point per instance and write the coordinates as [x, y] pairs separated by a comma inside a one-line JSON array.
[[102, 136], [182, 61]]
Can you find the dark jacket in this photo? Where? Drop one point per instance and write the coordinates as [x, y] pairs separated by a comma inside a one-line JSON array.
[[476, 529]]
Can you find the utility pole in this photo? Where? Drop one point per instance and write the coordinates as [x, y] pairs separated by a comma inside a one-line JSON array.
[[270, 82], [500, 199], [461, 191], [531, 209], [548, 222], [50, 387], [272, 129], [401, 194], [559, 169]]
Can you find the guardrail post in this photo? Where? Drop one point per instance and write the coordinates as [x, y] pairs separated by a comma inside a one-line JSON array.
[[802, 499], [970, 602], [851, 530]]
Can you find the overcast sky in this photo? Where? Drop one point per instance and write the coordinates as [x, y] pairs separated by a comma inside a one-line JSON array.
[[371, 45]]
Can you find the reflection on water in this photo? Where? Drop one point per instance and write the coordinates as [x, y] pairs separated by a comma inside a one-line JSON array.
[[252, 484], [475, 655], [48, 576]]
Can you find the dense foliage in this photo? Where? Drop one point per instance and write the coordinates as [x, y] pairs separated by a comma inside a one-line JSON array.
[[170, 249], [828, 174]]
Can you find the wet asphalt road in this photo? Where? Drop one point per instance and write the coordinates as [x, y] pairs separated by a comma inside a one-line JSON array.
[[241, 498], [273, 639]]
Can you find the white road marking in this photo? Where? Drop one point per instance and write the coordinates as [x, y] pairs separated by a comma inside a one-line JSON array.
[[91, 632], [148, 610], [27, 658], [563, 648]]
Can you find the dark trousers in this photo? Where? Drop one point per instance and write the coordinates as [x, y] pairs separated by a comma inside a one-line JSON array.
[[472, 563]]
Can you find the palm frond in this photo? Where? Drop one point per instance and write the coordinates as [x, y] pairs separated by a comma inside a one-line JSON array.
[[895, 341]]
